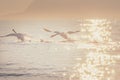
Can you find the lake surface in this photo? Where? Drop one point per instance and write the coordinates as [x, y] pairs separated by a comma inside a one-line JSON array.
[[95, 55]]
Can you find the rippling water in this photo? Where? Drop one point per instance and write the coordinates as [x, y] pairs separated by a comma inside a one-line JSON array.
[[93, 56]]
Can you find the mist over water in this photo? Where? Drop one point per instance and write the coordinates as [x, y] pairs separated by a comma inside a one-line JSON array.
[[94, 55]]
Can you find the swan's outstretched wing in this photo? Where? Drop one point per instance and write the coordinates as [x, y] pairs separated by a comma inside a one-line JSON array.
[[12, 34], [72, 32], [63, 35], [47, 30], [54, 35], [2, 36]]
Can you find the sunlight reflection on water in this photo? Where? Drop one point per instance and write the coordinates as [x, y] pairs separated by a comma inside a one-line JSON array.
[[98, 64]]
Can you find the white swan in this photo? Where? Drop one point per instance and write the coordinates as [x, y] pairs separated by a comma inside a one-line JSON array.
[[62, 34], [20, 36]]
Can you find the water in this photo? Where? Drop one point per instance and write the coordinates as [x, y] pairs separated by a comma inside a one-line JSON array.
[[94, 56]]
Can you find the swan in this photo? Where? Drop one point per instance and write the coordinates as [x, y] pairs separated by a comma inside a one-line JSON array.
[[20, 36], [62, 34]]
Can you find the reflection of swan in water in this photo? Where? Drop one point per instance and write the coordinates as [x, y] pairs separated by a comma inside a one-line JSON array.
[[62, 34], [20, 36], [45, 41]]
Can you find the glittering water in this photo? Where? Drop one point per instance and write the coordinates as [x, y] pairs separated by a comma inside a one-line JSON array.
[[93, 56]]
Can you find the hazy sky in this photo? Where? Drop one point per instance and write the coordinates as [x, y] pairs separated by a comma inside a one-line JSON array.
[[13, 6], [61, 8]]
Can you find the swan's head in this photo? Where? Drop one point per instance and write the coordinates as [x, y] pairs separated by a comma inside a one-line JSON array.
[[14, 31]]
